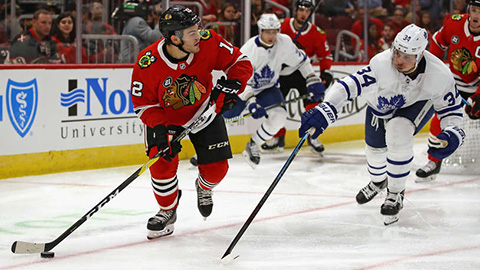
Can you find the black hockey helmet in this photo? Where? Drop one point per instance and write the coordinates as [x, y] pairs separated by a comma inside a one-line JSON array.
[[475, 3], [176, 18], [303, 4]]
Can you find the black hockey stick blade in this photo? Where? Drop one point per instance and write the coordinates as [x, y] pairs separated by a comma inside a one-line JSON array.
[[227, 257], [21, 247]]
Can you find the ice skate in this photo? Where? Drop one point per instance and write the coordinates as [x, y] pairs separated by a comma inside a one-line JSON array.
[[162, 223], [428, 172], [316, 146], [204, 201], [274, 145], [252, 154], [391, 207], [371, 190]]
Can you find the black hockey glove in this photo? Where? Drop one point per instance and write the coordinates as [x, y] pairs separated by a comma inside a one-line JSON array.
[[473, 110], [327, 78], [224, 94], [166, 138]]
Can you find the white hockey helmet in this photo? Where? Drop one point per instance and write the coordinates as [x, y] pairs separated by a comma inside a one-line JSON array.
[[268, 21], [411, 40]]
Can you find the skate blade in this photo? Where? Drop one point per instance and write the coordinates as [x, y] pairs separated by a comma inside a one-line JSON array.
[[388, 220], [272, 151], [320, 154], [247, 158], [425, 179], [157, 234]]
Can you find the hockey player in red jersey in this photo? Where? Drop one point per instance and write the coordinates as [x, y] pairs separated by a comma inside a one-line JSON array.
[[460, 38], [172, 86], [313, 41]]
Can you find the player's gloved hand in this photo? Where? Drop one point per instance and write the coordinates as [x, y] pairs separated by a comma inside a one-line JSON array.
[[447, 142], [224, 94], [319, 117], [166, 138], [473, 110], [327, 78], [255, 109], [316, 87]]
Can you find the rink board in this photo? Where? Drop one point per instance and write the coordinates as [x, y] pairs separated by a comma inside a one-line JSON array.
[[63, 118]]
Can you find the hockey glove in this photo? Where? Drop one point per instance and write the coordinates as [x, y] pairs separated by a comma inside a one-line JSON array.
[[327, 78], [319, 117], [473, 110], [224, 94], [316, 87], [166, 138], [256, 109], [448, 141]]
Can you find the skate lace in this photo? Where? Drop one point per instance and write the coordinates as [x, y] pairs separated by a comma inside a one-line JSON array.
[[272, 142], [205, 196], [316, 142], [430, 166], [163, 216], [392, 199], [254, 149], [370, 190]]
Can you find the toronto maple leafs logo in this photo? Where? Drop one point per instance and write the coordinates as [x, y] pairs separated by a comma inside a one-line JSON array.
[[395, 102], [266, 75]]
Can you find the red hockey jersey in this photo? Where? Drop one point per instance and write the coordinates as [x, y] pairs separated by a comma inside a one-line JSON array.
[[463, 51], [172, 93], [312, 40]]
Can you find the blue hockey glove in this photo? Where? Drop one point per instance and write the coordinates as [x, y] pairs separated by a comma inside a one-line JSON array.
[[319, 117], [453, 136], [165, 138], [256, 109], [316, 87]]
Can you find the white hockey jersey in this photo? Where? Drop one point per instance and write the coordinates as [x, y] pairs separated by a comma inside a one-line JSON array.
[[386, 89], [267, 62]]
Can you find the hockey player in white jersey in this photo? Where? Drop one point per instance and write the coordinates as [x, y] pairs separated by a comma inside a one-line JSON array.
[[268, 52], [403, 87]]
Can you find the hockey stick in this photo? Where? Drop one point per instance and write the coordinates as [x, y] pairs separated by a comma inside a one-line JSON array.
[[306, 21], [238, 118], [227, 257], [20, 247]]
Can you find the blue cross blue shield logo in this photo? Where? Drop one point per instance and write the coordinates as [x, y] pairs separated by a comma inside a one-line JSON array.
[[22, 101]]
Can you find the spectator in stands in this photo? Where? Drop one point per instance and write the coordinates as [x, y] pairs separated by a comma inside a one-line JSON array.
[[373, 45], [432, 6], [98, 52], [398, 20], [332, 8], [36, 46], [358, 24], [374, 7], [388, 35], [154, 13], [64, 34], [228, 13], [426, 22], [258, 7], [135, 14], [7, 24]]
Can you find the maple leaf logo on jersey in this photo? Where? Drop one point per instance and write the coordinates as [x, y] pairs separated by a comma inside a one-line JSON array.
[[264, 78], [184, 91], [463, 61], [395, 102]]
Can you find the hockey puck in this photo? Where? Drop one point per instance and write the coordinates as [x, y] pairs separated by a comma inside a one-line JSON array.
[[47, 254]]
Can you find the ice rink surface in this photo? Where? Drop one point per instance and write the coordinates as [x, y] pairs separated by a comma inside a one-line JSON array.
[[311, 221]]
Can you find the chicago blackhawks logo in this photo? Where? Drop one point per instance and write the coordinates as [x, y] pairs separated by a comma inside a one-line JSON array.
[[184, 91], [204, 34], [463, 61], [146, 60], [457, 17]]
